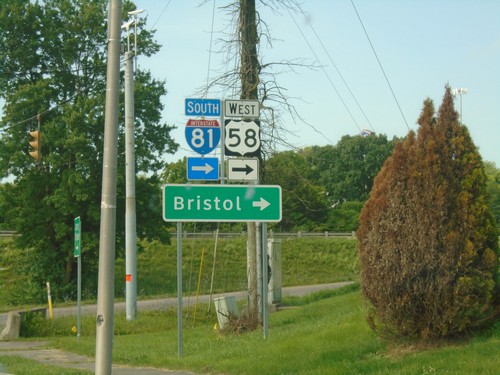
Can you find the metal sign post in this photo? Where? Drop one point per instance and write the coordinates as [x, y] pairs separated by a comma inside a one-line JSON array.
[[265, 281], [78, 255], [179, 288]]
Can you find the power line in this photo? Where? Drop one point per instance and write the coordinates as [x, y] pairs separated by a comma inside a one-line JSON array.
[[324, 71], [380, 65], [46, 111], [340, 74], [161, 14], [39, 114], [210, 49]]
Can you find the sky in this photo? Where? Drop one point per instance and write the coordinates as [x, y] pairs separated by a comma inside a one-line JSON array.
[[377, 62]]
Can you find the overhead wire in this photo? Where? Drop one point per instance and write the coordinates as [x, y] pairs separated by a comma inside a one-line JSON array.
[[340, 75], [39, 114], [210, 48], [380, 64], [161, 14], [325, 72], [50, 109]]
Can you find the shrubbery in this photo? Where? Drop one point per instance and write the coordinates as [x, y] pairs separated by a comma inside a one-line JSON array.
[[428, 243]]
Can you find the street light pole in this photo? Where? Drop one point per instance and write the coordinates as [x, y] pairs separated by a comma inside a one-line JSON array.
[[130, 209], [130, 199], [460, 92]]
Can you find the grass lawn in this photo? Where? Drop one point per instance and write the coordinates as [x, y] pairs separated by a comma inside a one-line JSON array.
[[326, 334]]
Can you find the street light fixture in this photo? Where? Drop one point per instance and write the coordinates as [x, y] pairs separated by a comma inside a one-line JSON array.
[[135, 13], [126, 26]]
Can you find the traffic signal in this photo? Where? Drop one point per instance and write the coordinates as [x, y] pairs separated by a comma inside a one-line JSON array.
[[35, 144]]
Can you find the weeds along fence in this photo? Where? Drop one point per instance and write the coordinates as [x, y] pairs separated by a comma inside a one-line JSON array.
[[8, 233], [271, 234]]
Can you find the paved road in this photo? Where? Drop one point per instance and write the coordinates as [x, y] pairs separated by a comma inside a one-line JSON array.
[[167, 303], [41, 352]]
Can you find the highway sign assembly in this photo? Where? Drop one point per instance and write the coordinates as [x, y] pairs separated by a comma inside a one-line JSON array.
[[221, 203], [243, 169], [203, 107], [242, 138], [241, 108], [202, 168], [202, 136]]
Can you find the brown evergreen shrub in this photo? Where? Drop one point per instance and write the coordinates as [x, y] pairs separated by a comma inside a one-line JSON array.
[[427, 240]]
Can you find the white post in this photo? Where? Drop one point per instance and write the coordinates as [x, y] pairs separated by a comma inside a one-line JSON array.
[[130, 210]]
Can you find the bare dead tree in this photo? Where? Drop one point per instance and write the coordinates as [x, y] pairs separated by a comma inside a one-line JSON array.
[[264, 83], [244, 74]]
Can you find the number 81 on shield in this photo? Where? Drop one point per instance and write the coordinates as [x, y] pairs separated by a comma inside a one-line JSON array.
[[203, 136]]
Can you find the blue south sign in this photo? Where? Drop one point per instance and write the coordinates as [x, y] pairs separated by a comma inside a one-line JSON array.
[[203, 107]]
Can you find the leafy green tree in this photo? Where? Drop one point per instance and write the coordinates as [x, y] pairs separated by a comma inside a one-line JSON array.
[[428, 246], [53, 64], [175, 172], [347, 169], [304, 204], [493, 188], [344, 217]]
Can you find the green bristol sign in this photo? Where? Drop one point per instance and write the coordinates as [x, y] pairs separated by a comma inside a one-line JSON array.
[[222, 203]]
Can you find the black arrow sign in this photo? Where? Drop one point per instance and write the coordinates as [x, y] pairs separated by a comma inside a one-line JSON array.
[[247, 169]]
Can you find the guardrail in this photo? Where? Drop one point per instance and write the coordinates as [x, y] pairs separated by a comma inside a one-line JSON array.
[[8, 233], [11, 233], [271, 234]]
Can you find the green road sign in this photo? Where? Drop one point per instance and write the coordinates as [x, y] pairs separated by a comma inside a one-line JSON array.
[[222, 203], [78, 234]]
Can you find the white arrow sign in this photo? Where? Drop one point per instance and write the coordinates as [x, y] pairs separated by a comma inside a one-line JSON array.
[[207, 168], [243, 169], [262, 203]]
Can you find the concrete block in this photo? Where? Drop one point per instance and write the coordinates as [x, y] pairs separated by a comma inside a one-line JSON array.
[[225, 308], [12, 328]]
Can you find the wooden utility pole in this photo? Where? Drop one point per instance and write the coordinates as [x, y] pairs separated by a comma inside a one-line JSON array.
[[249, 75]]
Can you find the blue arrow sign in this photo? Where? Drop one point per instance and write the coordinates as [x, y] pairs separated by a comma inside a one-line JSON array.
[[203, 107], [202, 168]]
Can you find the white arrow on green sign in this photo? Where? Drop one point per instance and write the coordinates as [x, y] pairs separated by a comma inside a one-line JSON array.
[[222, 203]]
